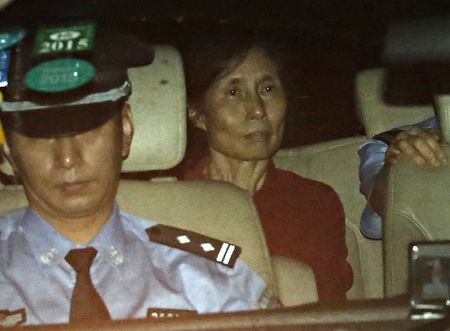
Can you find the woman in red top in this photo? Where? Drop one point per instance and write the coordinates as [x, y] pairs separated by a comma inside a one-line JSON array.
[[237, 96]]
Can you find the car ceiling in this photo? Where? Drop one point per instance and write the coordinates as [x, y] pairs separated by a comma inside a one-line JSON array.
[[340, 17]]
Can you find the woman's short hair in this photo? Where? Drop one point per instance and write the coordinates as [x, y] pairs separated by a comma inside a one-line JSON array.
[[216, 51]]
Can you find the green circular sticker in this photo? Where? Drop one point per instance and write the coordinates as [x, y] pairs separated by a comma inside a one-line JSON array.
[[59, 75], [11, 36]]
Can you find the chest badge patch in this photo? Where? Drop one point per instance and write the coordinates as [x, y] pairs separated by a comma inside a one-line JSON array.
[[10, 318], [162, 313]]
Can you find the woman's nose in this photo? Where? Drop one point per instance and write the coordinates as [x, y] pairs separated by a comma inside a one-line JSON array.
[[67, 152], [257, 108]]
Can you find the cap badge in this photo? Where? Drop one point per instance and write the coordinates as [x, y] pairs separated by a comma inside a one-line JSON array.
[[59, 75]]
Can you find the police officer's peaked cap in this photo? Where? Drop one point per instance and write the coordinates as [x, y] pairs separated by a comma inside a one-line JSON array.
[[68, 79]]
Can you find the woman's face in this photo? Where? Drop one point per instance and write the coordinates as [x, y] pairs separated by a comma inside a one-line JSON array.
[[243, 112]]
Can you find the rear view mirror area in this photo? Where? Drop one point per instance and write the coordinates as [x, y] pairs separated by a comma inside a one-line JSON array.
[[430, 279]]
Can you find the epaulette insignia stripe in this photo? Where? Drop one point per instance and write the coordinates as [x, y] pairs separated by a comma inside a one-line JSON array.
[[195, 243], [229, 254], [225, 253], [222, 251], [13, 318]]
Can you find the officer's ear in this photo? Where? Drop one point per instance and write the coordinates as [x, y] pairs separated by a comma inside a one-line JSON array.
[[127, 130], [6, 152]]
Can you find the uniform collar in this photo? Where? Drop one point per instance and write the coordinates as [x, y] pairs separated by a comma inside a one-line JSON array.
[[110, 241], [50, 247]]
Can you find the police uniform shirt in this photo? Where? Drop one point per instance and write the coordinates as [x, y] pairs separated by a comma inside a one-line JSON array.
[[131, 273]]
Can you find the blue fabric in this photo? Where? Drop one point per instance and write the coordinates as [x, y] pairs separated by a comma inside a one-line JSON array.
[[372, 157], [130, 273]]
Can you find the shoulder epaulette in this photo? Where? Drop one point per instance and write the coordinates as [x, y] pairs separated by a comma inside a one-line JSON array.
[[195, 243]]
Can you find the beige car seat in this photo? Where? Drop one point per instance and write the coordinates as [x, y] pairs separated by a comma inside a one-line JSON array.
[[212, 208], [336, 163], [415, 208], [375, 113]]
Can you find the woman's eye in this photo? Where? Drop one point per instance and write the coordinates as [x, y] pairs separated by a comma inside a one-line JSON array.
[[268, 88], [233, 92]]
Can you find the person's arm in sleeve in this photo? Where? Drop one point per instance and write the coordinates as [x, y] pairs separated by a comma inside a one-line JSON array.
[[246, 290], [372, 157], [420, 142], [334, 274]]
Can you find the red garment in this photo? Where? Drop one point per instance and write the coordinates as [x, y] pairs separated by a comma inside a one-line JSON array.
[[303, 219]]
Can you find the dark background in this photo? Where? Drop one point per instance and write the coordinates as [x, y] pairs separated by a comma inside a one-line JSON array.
[[330, 41]]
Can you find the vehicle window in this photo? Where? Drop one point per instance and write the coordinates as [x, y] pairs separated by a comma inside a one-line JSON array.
[[313, 132]]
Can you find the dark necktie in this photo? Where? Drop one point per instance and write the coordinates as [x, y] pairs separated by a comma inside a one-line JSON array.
[[86, 305]]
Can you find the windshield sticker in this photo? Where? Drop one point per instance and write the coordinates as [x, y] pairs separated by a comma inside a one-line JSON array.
[[59, 75], [4, 65], [77, 38], [11, 36]]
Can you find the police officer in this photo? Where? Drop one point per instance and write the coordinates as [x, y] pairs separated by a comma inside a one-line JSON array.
[[72, 254]]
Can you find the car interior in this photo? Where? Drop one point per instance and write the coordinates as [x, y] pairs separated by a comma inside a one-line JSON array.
[[414, 210], [158, 103]]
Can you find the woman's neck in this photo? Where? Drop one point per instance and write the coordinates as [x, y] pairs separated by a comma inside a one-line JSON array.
[[248, 175]]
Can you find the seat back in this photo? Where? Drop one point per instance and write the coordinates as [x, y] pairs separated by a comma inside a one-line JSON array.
[[416, 209], [336, 164], [211, 208], [375, 113]]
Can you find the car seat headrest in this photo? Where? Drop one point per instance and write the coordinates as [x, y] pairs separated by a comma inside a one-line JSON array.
[[158, 103], [378, 114], [425, 44]]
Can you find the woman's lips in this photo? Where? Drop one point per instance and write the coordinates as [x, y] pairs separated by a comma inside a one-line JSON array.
[[258, 135]]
